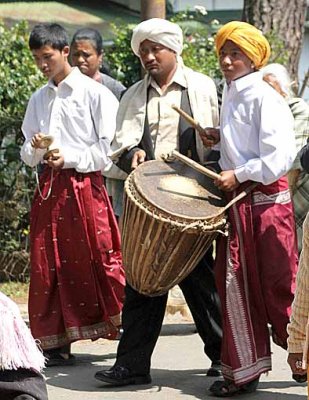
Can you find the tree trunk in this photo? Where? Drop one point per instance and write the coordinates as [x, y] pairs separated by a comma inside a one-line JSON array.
[[286, 18], [152, 9]]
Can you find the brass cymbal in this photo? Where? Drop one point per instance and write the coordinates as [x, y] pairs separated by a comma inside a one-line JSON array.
[[50, 153], [45, 141]]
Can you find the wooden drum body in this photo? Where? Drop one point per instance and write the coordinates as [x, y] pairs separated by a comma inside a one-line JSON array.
[[171, 217]]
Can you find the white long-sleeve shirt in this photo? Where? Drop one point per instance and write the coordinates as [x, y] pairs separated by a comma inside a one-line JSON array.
[[257, 139], [81, 116]]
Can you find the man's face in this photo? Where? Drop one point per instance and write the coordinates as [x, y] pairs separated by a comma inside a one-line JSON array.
[[233, 62], [51, 62], [157, 59]]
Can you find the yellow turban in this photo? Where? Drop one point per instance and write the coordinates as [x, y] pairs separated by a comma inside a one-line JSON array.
[[248, 38]]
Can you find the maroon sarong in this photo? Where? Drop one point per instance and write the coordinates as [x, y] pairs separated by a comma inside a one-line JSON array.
[[255, 272], [77, 278]]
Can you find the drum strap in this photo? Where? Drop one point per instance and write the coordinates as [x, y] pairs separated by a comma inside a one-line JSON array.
[[146, 142], [187, 141]]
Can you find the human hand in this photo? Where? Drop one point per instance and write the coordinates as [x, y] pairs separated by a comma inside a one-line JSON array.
[[138, 158], [295, 363], [55, 160], [227, 181], [210, 136], [36, 140]]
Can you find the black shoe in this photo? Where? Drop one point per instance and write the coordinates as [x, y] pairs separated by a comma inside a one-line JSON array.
[[121, 376], [228, 388], [300, 378], [215, 369]]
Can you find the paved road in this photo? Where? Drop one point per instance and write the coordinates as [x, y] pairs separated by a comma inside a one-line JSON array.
[[178, 371]]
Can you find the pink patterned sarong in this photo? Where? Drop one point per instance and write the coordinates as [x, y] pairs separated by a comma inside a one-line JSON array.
[[77, 278], [255, 271]]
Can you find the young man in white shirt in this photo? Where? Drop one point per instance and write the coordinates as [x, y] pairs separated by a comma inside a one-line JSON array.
[[256, 264], [77, 279]]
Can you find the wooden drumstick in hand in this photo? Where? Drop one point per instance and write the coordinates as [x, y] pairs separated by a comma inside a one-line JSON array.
[[207, 139], [189, 119], [193, 164]]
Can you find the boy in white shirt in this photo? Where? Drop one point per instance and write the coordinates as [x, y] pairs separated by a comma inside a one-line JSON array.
[[77, 278]]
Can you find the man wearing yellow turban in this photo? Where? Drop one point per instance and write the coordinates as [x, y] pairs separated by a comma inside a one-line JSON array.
[[256, 265], [249, 39]]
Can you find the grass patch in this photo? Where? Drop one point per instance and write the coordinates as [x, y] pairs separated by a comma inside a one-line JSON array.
[[71, 14], [17, 291]]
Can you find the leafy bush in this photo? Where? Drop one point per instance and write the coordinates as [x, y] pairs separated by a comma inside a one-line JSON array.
[[199, 51], [122, 62], [19, 79]]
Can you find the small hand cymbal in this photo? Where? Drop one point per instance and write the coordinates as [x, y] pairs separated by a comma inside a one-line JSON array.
[[46, 141], [50, 153]]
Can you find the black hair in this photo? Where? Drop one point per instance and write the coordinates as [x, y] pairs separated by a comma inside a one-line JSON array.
[[90, 34], [53, 35]]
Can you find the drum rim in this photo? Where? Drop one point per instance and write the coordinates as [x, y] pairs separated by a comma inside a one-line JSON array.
[[143, 195], [216, 222]]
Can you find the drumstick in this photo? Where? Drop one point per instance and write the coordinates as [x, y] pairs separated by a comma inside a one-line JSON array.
[[195, 165], [189, 119]]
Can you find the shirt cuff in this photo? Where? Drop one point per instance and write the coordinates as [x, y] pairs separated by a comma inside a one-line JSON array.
[[241, 174], [71, 160]]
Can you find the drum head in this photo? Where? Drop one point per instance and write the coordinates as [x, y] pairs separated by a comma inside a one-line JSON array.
[[178, 189]]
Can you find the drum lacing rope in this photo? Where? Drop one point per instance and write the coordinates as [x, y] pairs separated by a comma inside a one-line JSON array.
[[204, 226]]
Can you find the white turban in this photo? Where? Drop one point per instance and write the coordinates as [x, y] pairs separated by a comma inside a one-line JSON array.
[[159, 31]]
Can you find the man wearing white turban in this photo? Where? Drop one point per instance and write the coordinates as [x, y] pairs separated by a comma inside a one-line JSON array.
[[159, 31], [147, 126]]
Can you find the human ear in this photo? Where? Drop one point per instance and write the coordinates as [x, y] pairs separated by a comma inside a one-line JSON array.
[[66, 51]]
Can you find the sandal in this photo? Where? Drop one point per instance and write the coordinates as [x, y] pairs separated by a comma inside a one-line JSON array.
[[228, 388], [59, 359]]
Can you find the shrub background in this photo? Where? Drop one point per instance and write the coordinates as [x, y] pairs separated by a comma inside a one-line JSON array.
[[19, 79]]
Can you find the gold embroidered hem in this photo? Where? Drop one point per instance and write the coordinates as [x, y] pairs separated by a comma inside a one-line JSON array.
[[104, 330]]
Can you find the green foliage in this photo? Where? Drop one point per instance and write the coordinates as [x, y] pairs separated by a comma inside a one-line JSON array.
[[199, 50], [19, 79], [18, 74], [18, 291], [279, 53], [124, 65]]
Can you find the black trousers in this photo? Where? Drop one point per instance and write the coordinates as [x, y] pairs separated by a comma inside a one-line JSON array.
[[142, 318], [22, 384]]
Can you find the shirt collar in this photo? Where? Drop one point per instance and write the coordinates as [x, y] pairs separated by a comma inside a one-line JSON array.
[[246, 81], [178, 78], [69, 80]]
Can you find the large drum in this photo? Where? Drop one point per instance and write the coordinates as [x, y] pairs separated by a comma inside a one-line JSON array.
[[172, 214]]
